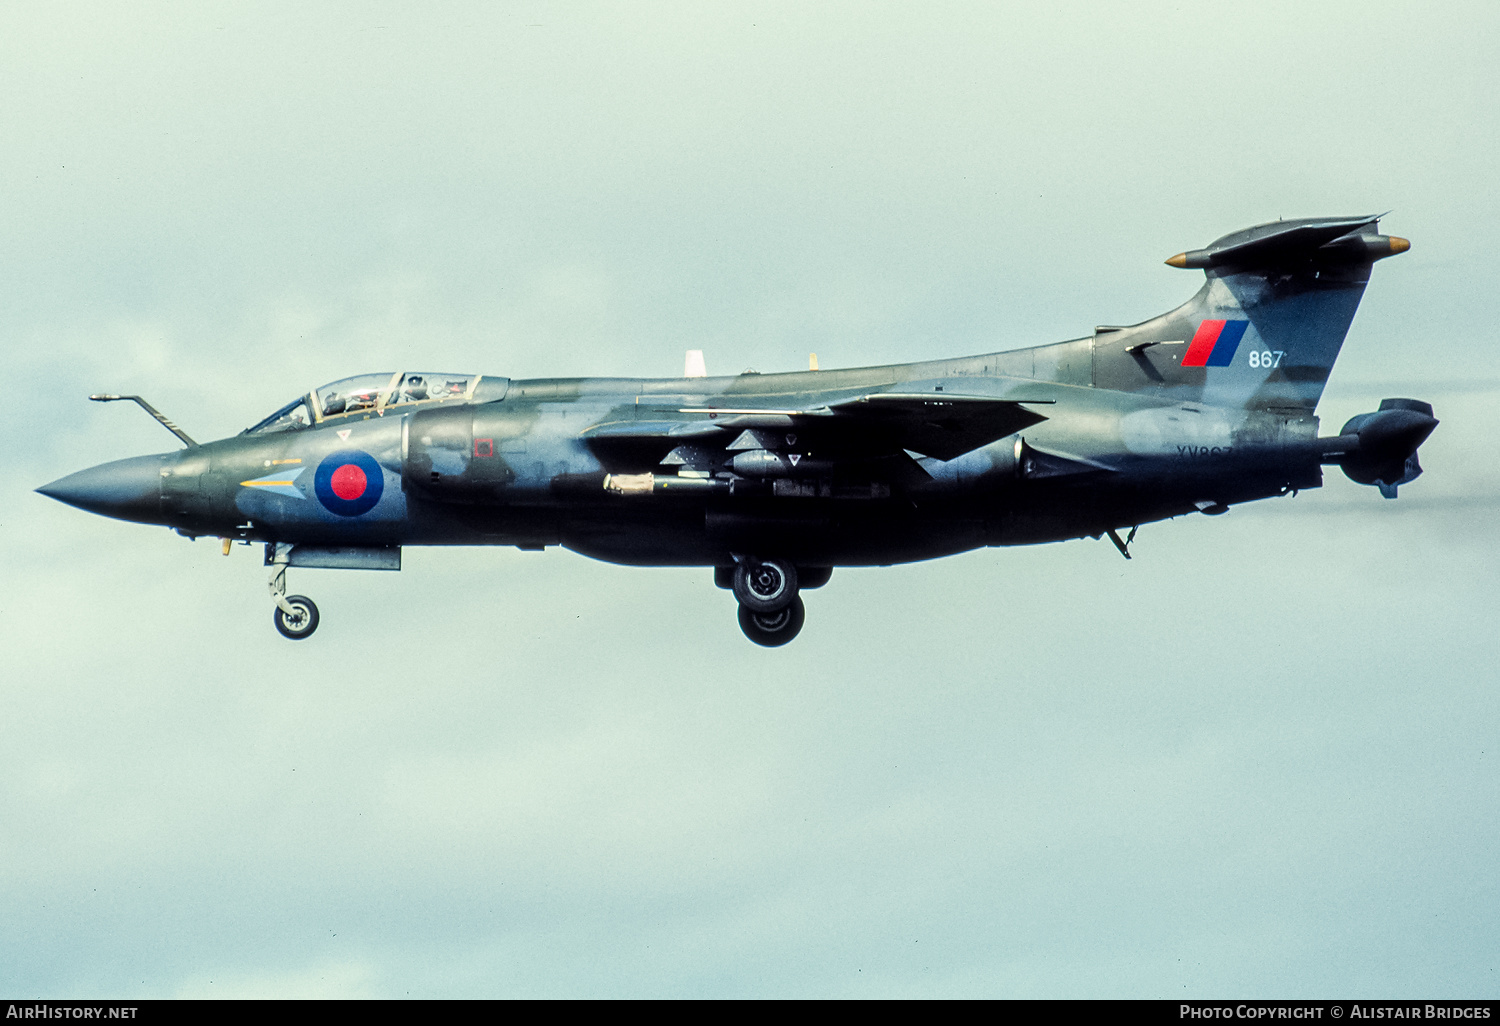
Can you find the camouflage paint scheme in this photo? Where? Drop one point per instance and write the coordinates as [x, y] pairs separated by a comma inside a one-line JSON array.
[[1206, 406]]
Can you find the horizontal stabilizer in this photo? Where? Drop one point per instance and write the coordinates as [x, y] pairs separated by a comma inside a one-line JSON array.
[[1332, 240]]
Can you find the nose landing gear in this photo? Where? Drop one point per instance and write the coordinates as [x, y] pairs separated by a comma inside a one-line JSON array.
[[295, 616], [301, 621]]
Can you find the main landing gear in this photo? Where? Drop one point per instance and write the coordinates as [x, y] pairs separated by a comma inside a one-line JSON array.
[[295, 616], [771, 610], [774, 629]]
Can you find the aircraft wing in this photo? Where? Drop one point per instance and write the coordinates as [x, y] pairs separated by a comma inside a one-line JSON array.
[[935, 424], [869, 426]]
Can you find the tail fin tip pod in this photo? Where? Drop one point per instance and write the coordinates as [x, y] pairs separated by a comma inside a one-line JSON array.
[[1264, 330]]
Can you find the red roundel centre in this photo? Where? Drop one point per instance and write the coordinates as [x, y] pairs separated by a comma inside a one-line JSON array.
[[348, 482]]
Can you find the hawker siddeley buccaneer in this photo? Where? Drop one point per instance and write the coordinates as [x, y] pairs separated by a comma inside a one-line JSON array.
[[772, 480]]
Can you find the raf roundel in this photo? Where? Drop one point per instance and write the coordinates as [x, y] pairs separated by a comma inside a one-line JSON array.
[[349, 483]]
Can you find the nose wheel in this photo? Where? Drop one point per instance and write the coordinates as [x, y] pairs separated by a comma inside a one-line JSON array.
[[295, 616], [300, 622]]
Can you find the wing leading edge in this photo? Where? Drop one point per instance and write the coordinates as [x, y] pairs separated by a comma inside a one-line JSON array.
[[877, 424]]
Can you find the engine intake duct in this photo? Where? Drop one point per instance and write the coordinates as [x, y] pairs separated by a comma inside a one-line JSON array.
[[437, 448], [1380, 448]]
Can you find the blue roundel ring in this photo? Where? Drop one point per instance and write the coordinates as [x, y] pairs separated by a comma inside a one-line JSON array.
[[349, 483]]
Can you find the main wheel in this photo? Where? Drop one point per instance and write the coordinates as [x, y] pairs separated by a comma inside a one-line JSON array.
[[765, 587], [774, 629], [299, 624]]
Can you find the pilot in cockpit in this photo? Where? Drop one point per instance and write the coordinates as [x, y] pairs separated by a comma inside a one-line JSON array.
[[415, 389]]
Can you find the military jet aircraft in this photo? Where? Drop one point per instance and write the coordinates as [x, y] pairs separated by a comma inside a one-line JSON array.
[[772, 480]]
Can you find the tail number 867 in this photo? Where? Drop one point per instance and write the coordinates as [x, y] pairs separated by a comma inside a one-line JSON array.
[[1266, 358]]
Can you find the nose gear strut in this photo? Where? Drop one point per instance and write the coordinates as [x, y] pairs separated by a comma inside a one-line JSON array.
[[295, 616]]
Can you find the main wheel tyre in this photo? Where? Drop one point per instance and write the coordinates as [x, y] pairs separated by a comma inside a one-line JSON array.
[[774, 629], [765, 587], [301, 622]]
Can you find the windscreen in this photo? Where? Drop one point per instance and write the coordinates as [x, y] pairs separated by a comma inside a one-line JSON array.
[[291, 417]]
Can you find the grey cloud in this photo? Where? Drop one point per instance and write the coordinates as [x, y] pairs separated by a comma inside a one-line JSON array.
[[1258, 759]]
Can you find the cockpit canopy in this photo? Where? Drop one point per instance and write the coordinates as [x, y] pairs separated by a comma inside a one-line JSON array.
[[369, 395]]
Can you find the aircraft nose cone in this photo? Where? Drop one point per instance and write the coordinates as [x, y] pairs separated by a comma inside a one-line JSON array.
[[125, 489]]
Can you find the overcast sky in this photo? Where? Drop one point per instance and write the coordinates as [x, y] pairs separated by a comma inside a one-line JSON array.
[[1258, 760]]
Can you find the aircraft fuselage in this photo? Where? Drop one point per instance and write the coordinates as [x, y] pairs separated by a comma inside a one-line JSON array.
[[524, 470]]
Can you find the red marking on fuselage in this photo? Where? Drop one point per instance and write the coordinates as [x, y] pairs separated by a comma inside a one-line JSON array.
[[348, 482], [1202, 346]]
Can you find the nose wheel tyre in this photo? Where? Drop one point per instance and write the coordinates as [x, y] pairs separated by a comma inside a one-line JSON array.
[[765, 587], [301, 622], [774, 629]]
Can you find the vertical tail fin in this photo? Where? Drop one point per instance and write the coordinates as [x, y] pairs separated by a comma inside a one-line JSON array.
[[1265, 328]]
